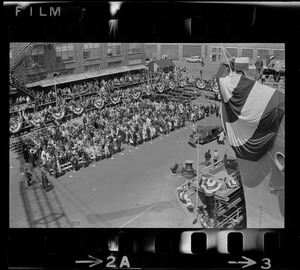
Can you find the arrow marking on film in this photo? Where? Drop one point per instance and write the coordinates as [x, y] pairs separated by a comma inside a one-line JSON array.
[[95, 262], [247, 263]]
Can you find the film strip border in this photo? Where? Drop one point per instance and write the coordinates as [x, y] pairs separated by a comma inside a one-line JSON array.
[[150, 21], [162, 248]]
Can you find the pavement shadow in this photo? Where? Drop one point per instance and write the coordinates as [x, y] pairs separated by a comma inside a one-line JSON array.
[[43, 209]]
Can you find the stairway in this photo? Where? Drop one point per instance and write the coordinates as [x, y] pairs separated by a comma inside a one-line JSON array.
[[20, 56]]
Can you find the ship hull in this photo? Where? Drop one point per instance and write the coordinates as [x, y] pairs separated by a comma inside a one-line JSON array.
[[263, 184]]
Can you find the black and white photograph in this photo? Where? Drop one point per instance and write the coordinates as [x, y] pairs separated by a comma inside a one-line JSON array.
[[146, 135]]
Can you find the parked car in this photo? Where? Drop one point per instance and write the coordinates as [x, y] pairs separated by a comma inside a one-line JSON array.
[[194, 59], [204, 135]]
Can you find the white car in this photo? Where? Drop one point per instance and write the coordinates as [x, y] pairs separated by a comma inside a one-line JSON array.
[[194, 59]]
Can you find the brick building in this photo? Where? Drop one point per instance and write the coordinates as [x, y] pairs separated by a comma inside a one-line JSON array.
[[38, 61], [212, 52]]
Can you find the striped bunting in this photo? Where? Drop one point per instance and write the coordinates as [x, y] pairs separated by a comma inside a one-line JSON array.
[[251, 114]]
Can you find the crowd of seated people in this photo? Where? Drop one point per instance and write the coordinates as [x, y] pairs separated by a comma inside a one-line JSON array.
[[100, 86], [101, 133], [19, 83]]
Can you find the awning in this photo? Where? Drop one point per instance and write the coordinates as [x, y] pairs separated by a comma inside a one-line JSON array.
[[162, 63], [83, 76], [138, 67]]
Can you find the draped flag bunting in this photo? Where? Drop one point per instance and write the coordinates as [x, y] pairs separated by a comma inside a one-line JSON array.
[[99, 103], [59, 115], [160, 87], [136, 94], [147, 90], [251, 114], [77, 109], [15, 126], [116, 99], [200, 84], [215, 87]]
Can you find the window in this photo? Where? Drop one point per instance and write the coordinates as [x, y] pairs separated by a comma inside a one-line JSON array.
[[134, 48], [171, 51], [279, 54], [232, 51], [92, 68], [151, 51], [213, 50], [262, 53], [68, 71], [91, 50], [114, 64], [36, 58], [247, 53], [132, 62], [113, 49], [191, 50], [64, 52]]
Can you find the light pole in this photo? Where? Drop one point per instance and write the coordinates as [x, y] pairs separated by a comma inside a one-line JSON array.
[[55, 74], [197, 194]]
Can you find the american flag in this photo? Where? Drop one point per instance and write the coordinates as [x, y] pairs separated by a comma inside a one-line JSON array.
[[251, 113]]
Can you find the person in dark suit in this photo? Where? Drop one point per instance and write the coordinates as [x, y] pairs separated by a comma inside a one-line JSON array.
[[28, 176], [47, 186], [259, 65], [207, 156]]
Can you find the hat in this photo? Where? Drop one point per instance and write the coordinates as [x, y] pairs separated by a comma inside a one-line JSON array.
[[258, 56]]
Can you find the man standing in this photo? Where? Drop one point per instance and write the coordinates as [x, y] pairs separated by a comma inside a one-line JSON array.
[[28, 176], [47, 186], [259, 65], [194, 128], [215, 156], [221, 137], [207, 156], [277, 68]]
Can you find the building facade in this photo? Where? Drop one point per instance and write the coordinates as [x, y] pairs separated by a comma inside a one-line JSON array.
[[212, 52], [41, 60]]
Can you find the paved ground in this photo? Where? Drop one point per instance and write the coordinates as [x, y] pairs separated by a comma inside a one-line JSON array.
[[208, 70], [134, 189]]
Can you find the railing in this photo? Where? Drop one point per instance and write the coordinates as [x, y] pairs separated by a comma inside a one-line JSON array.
[[21, 89]]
